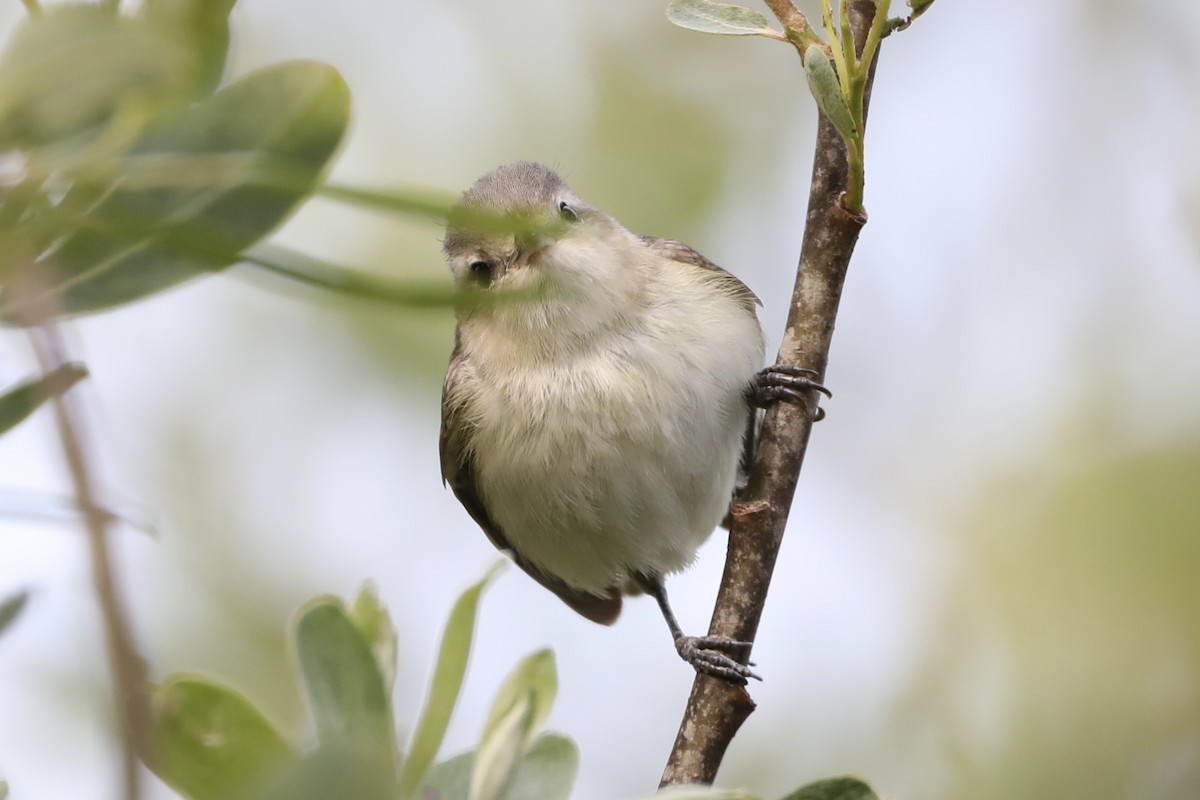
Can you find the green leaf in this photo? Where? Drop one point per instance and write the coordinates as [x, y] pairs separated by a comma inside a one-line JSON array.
[[19, 402], [845, 788], [719, 18], [546, 772], [11, 608], [334, 773], [3, 790], [243, 160], [535, 681], [450, 779], [74, 67], [444, 687], [342, 681], [498, 755], [517, 714], [210, 743], [374, 624], [200, 27], [823, 83]]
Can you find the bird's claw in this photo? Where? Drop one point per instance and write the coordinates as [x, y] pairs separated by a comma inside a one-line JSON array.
[[705, 655], [786, 382]]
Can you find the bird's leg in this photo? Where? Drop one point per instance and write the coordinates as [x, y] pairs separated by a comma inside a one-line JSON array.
[[704, 653], [785, 382]]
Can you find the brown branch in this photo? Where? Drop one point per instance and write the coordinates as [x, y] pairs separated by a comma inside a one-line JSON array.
[[128, 670], [716, 708]]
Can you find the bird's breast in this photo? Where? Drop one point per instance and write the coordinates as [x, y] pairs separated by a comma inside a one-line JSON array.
[[618, 458]]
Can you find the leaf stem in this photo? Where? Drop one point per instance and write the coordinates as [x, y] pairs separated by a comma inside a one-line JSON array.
[[342, 280], [839, 52], [795, 25], [32, 7]]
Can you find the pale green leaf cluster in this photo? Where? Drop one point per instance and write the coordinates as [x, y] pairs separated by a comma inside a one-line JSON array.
[[127, 169], [836, 72], [210, 743]]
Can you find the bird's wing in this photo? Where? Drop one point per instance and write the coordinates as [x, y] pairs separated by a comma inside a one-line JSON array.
[[684, 254], [458, 470]]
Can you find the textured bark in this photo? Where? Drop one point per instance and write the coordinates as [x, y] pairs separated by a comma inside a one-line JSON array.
[[716, 708]]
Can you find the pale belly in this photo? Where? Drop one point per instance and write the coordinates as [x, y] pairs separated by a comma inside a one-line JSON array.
[[610, 467]]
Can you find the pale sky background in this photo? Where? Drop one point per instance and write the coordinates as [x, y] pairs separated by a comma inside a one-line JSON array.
[[1024, 305]]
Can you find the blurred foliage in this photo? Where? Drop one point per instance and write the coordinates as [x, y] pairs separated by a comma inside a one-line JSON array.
[[1088, 582], [19, 402], [210, 743], [127, 172]]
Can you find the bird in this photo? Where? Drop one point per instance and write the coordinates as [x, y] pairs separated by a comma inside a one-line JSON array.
[[601, 399]]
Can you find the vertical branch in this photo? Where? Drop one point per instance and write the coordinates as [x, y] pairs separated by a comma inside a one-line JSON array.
[[716, 708], [128, 671]]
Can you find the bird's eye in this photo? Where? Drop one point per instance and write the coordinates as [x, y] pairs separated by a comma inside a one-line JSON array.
[[481, 272], [566, 212]]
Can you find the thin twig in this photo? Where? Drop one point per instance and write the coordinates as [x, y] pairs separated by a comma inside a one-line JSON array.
[[716, 708], [128, 671], [795, 25]]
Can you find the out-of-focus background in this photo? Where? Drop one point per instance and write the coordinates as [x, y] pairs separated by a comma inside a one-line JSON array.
[[991, 584]]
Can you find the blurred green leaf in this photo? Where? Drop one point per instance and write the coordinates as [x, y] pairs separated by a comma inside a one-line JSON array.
[[823, 83], [450, 779], [75, 66], [3, 790], [535, 681], [720, 18], [500, 751], [11, 608], [19, 402], [845, 788], [211, 743], [444, 687], [284, 120], [546, 772], [374, 624], [342, 681], [200, 27], [334, 773]]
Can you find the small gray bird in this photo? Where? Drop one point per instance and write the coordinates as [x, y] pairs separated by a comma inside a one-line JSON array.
[[593, 425]]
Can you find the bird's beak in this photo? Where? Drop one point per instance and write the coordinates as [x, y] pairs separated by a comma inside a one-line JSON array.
[[530, 248]]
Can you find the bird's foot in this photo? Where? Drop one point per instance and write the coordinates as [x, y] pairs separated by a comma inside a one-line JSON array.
[[786, 382], [705, 654]]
